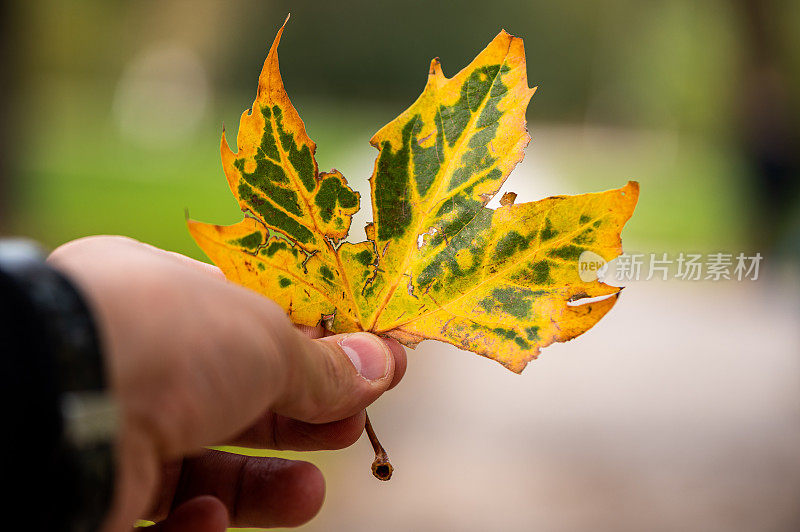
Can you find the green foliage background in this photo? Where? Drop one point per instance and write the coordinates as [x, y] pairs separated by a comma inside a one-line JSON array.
[[667, 67]]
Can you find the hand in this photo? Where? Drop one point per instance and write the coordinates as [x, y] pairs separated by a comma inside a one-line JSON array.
[[194, 360]]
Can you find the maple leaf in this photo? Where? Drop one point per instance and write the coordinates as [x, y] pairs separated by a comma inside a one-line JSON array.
[[438, 264]]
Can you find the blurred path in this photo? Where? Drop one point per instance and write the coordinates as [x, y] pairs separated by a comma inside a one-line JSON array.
[[680, 411]]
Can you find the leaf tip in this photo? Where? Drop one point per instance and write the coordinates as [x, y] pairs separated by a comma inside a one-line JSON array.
[[274, 48], [632, 187], [224, 141], [271, 67], [519, 364], [630, 195], [435, 70]]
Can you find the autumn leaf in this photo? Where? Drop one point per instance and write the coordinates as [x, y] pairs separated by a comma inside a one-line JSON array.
[[438, 264]]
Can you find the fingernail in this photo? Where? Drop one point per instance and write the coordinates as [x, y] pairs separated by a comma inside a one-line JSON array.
[[367, 353]]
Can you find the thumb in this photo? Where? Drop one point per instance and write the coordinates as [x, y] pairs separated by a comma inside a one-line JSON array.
[[336, 377]]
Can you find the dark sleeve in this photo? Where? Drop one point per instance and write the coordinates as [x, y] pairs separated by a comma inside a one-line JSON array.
[[56, 448]]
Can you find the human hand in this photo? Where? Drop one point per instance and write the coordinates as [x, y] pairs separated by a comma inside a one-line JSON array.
[[194, 360]]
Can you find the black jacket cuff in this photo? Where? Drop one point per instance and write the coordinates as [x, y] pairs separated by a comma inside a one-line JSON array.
[[59, 421]]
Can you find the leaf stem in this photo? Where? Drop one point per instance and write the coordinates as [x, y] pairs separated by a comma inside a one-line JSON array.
[[381, 468]]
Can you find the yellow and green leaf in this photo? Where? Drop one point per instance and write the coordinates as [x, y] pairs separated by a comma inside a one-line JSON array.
[[437, 263]]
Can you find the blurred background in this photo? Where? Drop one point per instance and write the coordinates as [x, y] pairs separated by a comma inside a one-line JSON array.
[[680, 411]]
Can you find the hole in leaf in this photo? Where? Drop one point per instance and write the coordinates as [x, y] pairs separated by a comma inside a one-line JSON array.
[[578, 301]]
